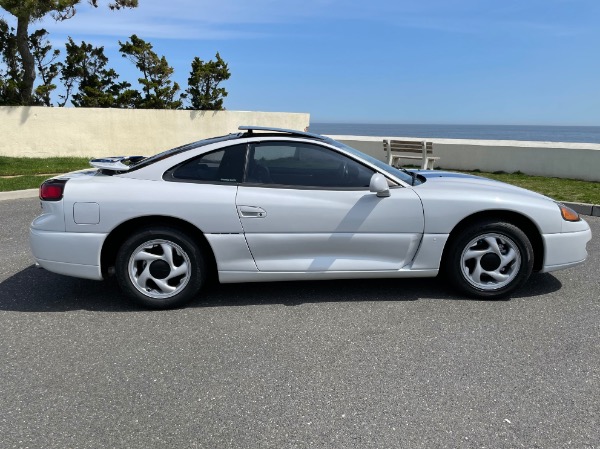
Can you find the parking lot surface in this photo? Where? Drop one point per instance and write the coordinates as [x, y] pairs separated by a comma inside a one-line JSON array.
[[344, 364]]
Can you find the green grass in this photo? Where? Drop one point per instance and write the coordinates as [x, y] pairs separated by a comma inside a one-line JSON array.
[[26, 168], [13, 166], [557, 188], [21, 182]]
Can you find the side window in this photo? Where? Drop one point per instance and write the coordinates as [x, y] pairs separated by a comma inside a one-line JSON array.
[[304, 165], [226, 165]]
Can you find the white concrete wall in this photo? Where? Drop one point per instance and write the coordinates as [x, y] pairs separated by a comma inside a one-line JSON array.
[[555, 159], [89, 132]]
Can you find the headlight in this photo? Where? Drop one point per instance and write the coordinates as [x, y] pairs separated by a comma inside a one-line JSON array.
[[568, 213]]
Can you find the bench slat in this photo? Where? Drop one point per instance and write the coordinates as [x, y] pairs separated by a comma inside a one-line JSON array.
[[410, 150], [410, 145], [410, 142]]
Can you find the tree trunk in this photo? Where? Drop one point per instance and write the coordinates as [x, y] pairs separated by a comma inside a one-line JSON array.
[[27, 60]]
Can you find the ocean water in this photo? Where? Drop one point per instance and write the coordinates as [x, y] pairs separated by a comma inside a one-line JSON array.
[[585, 134]]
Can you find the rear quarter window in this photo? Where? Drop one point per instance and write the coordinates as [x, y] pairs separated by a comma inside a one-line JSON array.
[[222, 166]]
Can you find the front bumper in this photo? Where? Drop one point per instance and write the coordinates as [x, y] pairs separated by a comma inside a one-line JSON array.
[[565, 250], [70, 253]]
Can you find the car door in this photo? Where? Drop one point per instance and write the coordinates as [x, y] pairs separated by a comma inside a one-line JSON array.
[[307, 207]]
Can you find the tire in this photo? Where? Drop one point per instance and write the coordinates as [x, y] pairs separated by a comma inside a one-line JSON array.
[[160, 267], [489, 259]]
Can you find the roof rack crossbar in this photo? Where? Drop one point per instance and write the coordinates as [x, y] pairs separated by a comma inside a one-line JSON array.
[[250, 129]]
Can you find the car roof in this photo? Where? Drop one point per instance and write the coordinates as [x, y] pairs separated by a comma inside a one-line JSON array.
[[116, 164], [250, 132]]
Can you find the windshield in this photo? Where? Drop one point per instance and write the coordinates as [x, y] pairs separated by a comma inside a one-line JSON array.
[[407, 178]]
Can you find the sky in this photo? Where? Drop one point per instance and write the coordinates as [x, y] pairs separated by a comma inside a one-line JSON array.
[[530, 62]]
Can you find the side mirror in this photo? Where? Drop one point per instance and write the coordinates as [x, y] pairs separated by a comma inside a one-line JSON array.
[[379, 185]]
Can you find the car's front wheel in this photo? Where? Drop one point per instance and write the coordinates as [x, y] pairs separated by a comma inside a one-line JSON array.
[[160, 267], [489, 259]]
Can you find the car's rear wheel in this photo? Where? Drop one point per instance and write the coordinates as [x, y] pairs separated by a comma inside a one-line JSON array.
[[160, 267], [489, 259]]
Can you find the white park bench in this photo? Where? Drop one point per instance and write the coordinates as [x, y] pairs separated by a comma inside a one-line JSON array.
[[410, 149]]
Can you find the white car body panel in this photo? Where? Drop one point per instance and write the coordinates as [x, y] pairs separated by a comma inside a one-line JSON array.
[[210, 208], [304, 233], [332, 251], [230, 277], [231, 253], [71, 253], [331, 230], [565, 250], [440, 194], [430, 252], [52, 217]]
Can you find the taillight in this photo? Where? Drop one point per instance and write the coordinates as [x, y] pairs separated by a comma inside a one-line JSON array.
[[52, 190]]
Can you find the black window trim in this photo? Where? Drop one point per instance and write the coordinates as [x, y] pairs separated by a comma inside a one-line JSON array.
[[168, 174], [296, 187]]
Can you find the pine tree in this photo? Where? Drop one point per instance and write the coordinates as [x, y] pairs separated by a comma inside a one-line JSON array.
[[28, 11], [47, 67], [204, 91], [11, 70], [97, 87], [158, 90], [12, 74]]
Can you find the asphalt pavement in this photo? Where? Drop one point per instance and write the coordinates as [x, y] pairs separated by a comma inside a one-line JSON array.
[[348, 364]]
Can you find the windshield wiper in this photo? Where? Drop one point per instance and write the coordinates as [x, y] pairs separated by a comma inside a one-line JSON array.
[[412, 175]]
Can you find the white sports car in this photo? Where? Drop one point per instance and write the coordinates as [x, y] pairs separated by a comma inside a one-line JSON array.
[[269, 204]]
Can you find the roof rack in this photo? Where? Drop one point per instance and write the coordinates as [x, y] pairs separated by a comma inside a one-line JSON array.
[[294, 132]]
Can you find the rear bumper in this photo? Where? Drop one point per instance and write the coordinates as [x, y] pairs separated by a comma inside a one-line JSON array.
[[70, 253], [565, 250]]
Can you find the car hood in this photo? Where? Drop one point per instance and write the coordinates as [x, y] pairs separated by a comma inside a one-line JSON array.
[[436, 179]]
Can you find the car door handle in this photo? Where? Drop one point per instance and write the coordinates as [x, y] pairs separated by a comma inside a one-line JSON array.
[[251, 212]]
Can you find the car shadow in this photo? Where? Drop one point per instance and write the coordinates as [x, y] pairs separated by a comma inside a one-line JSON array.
[[37, 290]]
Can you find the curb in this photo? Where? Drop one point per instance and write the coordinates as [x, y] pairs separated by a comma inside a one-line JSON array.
[[581, 208], [19, 194], [584, 208]]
